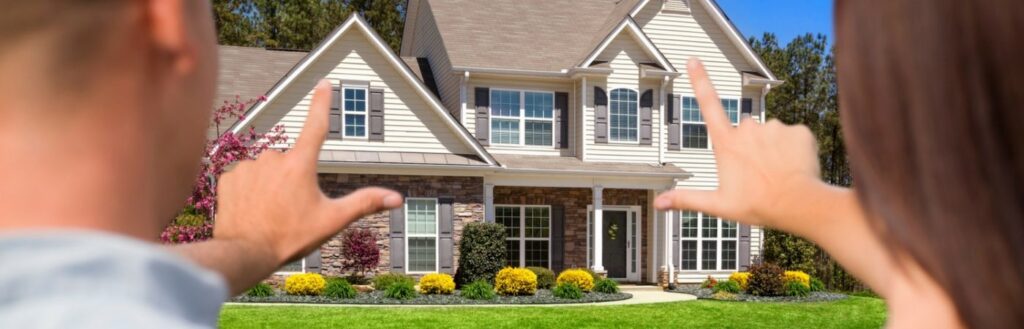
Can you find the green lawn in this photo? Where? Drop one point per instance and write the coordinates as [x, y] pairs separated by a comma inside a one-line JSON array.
[[854, 312]]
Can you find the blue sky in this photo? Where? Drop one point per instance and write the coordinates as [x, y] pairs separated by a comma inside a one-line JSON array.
[[785, 18]]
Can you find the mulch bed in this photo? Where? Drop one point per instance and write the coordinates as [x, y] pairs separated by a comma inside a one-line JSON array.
[[704, 293], [377, 298]]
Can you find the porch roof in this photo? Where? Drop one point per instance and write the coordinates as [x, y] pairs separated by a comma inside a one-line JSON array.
[[573, 165], [398, 158]]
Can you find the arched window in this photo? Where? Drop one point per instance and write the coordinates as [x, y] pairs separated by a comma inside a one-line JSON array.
[[623, 124]]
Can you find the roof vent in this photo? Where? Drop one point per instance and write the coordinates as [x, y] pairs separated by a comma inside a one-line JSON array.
[[679, 6]]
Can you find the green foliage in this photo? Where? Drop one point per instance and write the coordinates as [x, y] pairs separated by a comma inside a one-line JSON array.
[[709, 283], [593, 275], [339, 288], [190, 217], [357, 279], [606, 286], [260, 290], [481, 252], [797, 289], [789, 251], [567, 291], [479, 289], [400, 290], [765, 280], [817, 285], [727, 286], [385, 281], [545, 277], [723, 295]]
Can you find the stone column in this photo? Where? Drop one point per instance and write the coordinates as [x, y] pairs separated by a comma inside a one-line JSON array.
[[489, 203], [598, 229]]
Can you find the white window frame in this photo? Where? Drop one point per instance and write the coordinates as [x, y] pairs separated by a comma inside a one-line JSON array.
[[301, 261], [700, 245], [683, 122], [345, 112], [522, 231], [522, 117], [609, 132], [437, 240], [633, 213]]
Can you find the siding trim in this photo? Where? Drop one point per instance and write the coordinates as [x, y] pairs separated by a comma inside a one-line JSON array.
[[639, 35]]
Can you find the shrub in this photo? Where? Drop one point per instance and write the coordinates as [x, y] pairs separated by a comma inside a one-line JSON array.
[[593, 275], [545, 277], [179, 234], [309, 284], [723, 295], [481, 252], [765, 280], [339, 288], [515, 281], [567, 291], [582, 278], [797, 276], [709, 283], [357, 279], [606, 286], [384, 281], [359, 251], [437, 284], [817, 285], [401, 290], [190, 217], [260, 290], [478, 289], [797, 289], [742, 278], [727, 286]]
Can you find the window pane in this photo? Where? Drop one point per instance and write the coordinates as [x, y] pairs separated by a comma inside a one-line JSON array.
[[537, 222], [691, 110], [505, 103], [732, 110], [539, 105], [508, 216], [355, 125], [421, 216], [295, 266], [709, 226], [537, 253], [695, 136], [623, 115], [422, 254], [689, 221], [729, 229], [689, 253], [708, 255], [538, 133], [728, 255], [504, 131], [512, 252], [355, 100]]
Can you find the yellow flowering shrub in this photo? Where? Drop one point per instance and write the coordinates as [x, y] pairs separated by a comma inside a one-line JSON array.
[[437, 284], [309, 284], [515, 281], [581, 278], [798, 276], [740, 277]]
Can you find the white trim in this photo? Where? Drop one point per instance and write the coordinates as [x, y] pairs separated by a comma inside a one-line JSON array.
[[375, 39], [522, 118], [522, 230], [633, 214], [639, 35], [302, 263], [436, 235], [700, 239], [345, 112], [609, 132]]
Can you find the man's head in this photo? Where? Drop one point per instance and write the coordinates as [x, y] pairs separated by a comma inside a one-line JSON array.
[[108, 97]]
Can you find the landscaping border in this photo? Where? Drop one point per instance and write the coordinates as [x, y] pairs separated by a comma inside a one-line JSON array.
[[543, 297], [708, 294]]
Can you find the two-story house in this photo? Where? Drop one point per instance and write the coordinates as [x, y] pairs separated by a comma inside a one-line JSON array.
[[559, 119]]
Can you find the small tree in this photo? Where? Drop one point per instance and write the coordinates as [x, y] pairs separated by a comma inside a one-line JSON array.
[[359, 251], [481, 252]]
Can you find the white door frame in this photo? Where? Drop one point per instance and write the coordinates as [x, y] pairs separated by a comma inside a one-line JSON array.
[[633, 218]]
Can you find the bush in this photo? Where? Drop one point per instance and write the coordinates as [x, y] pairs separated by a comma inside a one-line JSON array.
[[309, 284], [742, 278], [260, 290], [727, 286], [481, 252], [582, 278], [798, 276], [359, 251], [709, 283], [515, 281], [478, 289], [567, 291], [384, 281], [437, 284], [765, 280], [400, 290], [817, 285], [545, 277], [339, 288], [606, 286], [797, 289], [593, 275], [190, 217], [357, 279]]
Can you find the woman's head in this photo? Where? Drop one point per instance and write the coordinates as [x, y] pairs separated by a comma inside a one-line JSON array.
[[932, 99]]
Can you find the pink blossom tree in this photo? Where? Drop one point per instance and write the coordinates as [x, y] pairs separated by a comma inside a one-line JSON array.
[[359, 251]]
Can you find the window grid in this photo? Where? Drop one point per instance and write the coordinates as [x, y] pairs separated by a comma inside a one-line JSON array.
[[421, 235], [522, 117], [713, 249], [624, 121], [528, 230], [354, 111], [694, 131]]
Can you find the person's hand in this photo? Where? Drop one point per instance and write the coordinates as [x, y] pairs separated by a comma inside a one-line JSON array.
[[274, 203], [762, 169]]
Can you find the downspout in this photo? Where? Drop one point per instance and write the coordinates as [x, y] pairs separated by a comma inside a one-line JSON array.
[[764, 105], [661, 125]]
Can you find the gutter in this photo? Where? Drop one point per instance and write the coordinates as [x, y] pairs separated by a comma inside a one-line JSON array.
[[500, 170], [554, 74]]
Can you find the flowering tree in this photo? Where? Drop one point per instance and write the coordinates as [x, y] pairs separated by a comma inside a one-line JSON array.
[[222, 151], [359, 251]]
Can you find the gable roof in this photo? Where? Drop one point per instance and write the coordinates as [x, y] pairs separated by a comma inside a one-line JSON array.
[[628, 24], [358, 23]]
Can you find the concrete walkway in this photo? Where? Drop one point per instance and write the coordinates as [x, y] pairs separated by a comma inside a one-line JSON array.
[[641, 295]]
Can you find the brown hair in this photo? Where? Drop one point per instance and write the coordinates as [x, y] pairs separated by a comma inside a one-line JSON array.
[[932, 100]]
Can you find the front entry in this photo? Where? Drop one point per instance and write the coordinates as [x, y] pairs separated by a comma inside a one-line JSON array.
[[621, 238], [614, 232]]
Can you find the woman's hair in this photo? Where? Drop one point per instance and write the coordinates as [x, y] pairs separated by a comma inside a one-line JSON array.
[[932, 100]]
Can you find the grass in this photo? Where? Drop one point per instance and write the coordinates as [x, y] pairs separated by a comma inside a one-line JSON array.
[[853, 312]]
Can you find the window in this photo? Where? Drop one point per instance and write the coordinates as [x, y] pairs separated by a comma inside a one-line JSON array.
[[298, 266], [421, 234], [522, 117], [624, 124], [708, 243], [528, 231], [354, 110], [695, 133]]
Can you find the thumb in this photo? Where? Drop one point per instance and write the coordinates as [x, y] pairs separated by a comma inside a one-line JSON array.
[[683, 199], [365, 201]]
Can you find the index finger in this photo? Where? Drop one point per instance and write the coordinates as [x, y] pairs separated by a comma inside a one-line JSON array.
[[710, 105], [314, 131]]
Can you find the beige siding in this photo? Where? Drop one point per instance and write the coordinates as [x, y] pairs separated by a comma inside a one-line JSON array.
[[411, 124], [428, 43], [527, 85]]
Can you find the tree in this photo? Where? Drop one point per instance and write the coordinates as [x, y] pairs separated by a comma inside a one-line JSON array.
[[359, 251]]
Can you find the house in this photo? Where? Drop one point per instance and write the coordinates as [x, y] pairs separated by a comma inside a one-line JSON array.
[[559, 119]]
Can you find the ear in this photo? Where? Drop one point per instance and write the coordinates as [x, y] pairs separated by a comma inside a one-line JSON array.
[[168, 32]]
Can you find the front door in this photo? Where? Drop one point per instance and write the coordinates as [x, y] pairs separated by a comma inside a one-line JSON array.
[[614, 232]]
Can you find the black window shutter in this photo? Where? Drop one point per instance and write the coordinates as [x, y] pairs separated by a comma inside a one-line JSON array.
[[397, 235], [747, 106], [376, 115], [674, 107], [313, 262], [646, 105], [600, 115], [561, 129], [744, 247], [557, 238], [334, 119], [445, 247], [677, 259], [482, 97]]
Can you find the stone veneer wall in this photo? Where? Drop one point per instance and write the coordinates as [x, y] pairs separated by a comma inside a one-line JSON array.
[[575, 201]]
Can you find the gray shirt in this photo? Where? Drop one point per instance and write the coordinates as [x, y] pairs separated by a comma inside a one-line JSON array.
[[83, 279]]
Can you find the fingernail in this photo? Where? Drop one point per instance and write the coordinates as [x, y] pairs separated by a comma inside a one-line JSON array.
[[393, 200]]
